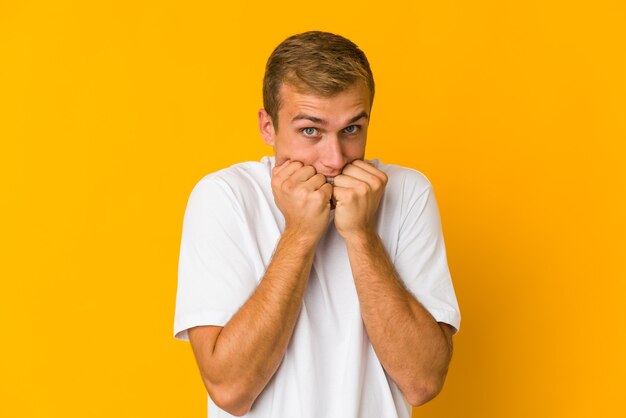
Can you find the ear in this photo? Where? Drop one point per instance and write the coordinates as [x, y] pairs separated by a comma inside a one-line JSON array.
[[266, 127]]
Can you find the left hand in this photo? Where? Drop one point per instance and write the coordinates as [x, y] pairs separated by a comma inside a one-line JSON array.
[[357, 192]]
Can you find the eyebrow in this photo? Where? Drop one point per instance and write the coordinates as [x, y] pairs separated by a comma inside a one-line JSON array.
[[303, 116]]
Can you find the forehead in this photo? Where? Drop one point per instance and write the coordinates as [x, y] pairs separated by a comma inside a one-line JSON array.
[[355, 98]]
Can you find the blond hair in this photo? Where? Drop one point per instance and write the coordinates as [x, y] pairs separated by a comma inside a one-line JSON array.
[[318, 63]]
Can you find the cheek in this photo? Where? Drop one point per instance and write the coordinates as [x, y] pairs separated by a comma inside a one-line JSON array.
[[296, 150], [307, 154], [355, 150]]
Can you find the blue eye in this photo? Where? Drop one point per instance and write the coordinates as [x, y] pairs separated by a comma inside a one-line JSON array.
[[309, 131], [352, 129]]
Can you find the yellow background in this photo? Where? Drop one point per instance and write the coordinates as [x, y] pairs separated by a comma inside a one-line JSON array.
[[111, 111]]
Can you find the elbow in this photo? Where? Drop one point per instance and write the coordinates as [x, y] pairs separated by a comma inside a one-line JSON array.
[[232, 399], [420, 396], [424, 391]]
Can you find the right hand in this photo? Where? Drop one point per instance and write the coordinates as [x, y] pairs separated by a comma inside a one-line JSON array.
[[303, 197]]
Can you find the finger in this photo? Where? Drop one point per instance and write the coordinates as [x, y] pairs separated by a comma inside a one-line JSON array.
[[327, 189], [368, 167], [349, 181], [340, 194], [278, 167], [316, 182], [363, 164], [353, 170], [288, 169], [303, 173], [374, 179]]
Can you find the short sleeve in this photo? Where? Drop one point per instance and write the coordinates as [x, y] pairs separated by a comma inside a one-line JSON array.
[[215, 277], [421, 260]]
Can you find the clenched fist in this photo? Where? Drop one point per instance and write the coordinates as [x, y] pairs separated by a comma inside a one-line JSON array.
[[357, 191], [303, 197]]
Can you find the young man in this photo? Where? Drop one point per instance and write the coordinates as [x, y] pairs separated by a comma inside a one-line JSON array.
[[315, 283]]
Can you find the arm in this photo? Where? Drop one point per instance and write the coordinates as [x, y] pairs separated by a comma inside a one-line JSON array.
[[237, 361], [413, 348]]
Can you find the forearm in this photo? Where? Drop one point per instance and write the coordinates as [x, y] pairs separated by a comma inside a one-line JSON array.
[[411, 345], [250, 347]]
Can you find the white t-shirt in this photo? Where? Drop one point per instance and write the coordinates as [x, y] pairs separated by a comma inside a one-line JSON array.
[[230, 230]]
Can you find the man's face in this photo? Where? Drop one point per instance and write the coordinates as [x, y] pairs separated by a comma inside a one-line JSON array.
[[324, 132]]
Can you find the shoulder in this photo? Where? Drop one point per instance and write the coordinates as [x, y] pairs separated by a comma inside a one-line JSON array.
[[236, 181]]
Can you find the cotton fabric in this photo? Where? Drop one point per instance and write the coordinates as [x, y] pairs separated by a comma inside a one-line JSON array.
[[230, 230]]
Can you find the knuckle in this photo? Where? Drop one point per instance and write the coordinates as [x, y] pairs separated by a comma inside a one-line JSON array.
[[319, 197], [384, 178], [377, 183], [288, 185], [300, 193], [362, 188]]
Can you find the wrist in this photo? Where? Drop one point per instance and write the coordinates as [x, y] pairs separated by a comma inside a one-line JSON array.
[[360, 237], [300, 237]]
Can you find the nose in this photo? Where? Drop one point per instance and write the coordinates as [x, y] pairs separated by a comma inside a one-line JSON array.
[[333, 157]]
